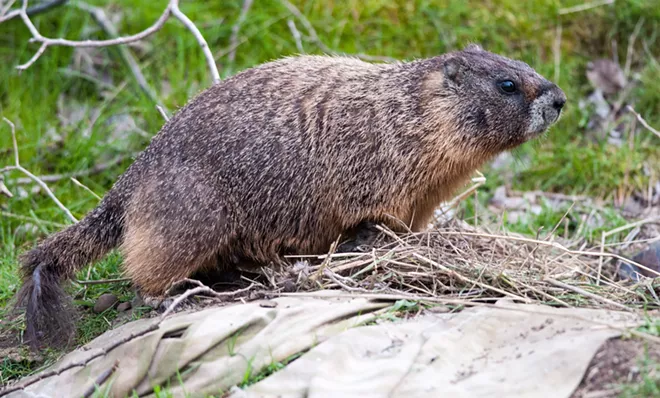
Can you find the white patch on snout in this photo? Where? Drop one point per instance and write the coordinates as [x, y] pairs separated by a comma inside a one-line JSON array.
[[542, 113]]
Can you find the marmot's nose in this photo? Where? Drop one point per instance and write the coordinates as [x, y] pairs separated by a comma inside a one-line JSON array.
[[559, 103]]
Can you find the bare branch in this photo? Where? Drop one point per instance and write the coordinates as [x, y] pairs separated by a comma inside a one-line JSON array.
[[32, 11], [171, 9], [34, 178], [643, 122], [163, 113], [103, 281], [296, 35], [585, 6], [174, 6], [86, 188], [83, 173], [45, 41], [202, 289]]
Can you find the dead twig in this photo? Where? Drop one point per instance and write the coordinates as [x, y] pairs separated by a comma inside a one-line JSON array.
[[297, 37], [17, 166], [202, 289], [163, 113], [172, 9], [586, 293], [31, 11], [82, 173], [174, 5], [103, 281], [86, 188], [642, 121], [585, 6]]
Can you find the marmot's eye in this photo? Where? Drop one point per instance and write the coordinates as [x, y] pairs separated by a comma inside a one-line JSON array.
[[507, 86]]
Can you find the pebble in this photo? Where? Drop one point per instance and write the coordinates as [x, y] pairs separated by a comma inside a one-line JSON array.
[[104, 302]]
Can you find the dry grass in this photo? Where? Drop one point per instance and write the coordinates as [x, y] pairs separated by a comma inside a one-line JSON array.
[[455, 261]]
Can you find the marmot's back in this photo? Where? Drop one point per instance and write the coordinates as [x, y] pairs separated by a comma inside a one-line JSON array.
[[287, 156]]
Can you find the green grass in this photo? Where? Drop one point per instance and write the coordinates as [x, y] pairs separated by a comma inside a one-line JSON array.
[[565, 161]]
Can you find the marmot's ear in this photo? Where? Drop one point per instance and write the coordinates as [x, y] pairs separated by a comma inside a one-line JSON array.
[[473, 47], [453, 69]]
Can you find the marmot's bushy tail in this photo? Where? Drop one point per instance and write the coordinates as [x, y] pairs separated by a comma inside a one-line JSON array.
[[49, 312]]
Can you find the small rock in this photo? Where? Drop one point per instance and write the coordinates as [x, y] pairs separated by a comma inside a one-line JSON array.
[[124, 306], [104, 302], [438, 309], [267, 304], [650, 258], [289, 286]]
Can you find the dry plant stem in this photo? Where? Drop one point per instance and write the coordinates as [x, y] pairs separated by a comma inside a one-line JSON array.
[[171, 9], [631, 45], [468, 280], [478, 182], [174, 5], [181, 282], [45, 41], [315, 37], [86, 188], [642, 121], [26, 218], [104, 281], [34, 178], [297, 37], [32, 11], [587, 294], [233, 40], [341, 284], [163, 113], [585, 6], [198, 290], [555, 245], [615, 231], [83, 173]]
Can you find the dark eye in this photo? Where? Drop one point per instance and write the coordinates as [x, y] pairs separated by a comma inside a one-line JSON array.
[[507, 86]]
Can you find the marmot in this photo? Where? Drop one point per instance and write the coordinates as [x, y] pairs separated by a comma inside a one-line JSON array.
[[287, 156]]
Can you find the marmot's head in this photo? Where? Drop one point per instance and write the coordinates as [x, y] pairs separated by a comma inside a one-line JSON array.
[[498, 103]]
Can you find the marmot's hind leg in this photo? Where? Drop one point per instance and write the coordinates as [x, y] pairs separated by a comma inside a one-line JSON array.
[[154, 262], [359, 239]]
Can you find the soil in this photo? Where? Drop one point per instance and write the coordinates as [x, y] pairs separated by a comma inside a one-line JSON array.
[[617, 362]]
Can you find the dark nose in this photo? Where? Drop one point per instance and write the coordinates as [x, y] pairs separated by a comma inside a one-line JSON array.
[[559, 103]]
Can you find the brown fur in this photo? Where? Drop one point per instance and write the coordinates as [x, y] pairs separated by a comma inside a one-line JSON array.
[[287, 156]]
